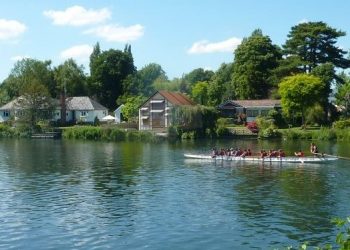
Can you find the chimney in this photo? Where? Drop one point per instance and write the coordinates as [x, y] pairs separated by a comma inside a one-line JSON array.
[[63, 107]]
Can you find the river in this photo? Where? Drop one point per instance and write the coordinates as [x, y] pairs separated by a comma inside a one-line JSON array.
[[60, 194]]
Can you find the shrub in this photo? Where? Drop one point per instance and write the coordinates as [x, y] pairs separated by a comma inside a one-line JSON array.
[[222, 131], [341, 124]]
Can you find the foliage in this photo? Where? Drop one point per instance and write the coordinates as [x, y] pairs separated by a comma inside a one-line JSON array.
[[342, 124], [313, 43], [221, 87], [267, 128], [107, 134], [277, 118], [314, 115], [71, 78], [35, 104], [148, 75], [255, 57], [131, 107], [298, 93], [342, 96], [195, 118], [24, 72], [200, 92], [108, 71]]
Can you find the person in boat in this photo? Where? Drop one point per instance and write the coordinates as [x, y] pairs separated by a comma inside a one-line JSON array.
[[244, 153], [300, 153], [272, 153], [263, 154], [249, 153], [281, 153], [214, 152], [313, 148]]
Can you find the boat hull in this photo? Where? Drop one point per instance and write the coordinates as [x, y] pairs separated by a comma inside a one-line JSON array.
[[266, 159]]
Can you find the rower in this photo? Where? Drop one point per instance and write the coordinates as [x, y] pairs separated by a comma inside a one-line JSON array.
[[313, 148], [300, 153]]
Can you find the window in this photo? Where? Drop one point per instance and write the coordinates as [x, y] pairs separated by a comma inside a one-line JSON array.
[[84, 113], [6, 113]]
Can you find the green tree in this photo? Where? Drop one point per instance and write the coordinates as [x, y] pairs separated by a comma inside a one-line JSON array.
[[299, 93], [36, 103], [26, 71], [220, 87], [131, 107], [200, 93], [96, 52], [109, 70], [71, 77], [342, 96], [314, 43], [148, 75], [197, 75], [255, 58]]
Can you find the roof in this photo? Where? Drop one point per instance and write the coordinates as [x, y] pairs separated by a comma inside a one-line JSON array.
[[16, 103], [253, 103], [83, 103], [176, 98]]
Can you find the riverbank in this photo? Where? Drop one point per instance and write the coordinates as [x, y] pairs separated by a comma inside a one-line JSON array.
[[113, 133]]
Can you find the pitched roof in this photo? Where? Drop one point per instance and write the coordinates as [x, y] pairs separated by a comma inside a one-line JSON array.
[[83, 103], [19, 101], [176, 98], [253, 103]]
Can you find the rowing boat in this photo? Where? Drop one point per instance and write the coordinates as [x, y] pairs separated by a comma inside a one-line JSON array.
[[288, 159]]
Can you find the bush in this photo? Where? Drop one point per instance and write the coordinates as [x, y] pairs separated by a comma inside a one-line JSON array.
[[341, 124], [222, 131], [270, 132]]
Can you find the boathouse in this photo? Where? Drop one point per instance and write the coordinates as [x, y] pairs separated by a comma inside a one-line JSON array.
[[155, 113]]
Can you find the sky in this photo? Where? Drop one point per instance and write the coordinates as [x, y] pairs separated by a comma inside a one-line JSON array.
[[180, 35]]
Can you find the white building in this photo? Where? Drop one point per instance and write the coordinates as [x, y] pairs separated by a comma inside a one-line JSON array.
[[80, 108], [118, 114]]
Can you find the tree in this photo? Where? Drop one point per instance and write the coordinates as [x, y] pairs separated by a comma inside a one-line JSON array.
[[148, 75], [200, 92], [96, 52], [255, 57], [24, 72], [109, 70], [36, 103], [314, 44], [71, 78], [299, 93], [342, 96], [198, 75], [131, 107], [220, 87]]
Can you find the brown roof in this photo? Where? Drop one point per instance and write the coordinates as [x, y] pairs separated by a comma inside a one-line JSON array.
[[254, 103], [176, 98]]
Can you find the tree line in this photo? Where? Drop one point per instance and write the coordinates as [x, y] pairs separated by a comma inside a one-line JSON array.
[[303, 73]]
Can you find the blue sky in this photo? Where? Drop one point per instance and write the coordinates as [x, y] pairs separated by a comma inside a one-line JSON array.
[[180, 35]]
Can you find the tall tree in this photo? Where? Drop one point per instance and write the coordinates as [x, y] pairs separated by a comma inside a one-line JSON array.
[[254, 59], [36, 103], [198, 75], [200, 93], [96, 52], [109, 70], [71, 78], [299, 93], [342, 96], [314, 43], [148, 75], [28, 70], [220, 87]]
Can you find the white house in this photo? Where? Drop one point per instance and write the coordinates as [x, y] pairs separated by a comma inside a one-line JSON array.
[[81, 108], [118, 114], [154, 114]]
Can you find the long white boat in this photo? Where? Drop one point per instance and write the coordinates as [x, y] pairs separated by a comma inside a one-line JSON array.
[[288, 159]]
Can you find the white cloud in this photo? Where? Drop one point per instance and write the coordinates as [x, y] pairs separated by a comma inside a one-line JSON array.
[[10, 29], [78, 16], [81, 53], [18, 58], [117, 33], [204, 46]]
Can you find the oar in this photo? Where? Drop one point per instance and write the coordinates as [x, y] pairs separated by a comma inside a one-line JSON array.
[[340, 157]]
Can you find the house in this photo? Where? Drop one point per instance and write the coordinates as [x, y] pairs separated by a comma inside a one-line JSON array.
[[250, 109], [81, 108], [154, 114], [118, 114]]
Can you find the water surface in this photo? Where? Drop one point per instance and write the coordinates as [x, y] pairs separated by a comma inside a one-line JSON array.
[[95, 195]]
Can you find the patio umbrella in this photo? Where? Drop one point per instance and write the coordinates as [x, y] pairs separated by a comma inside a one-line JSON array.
[[108, 118]]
